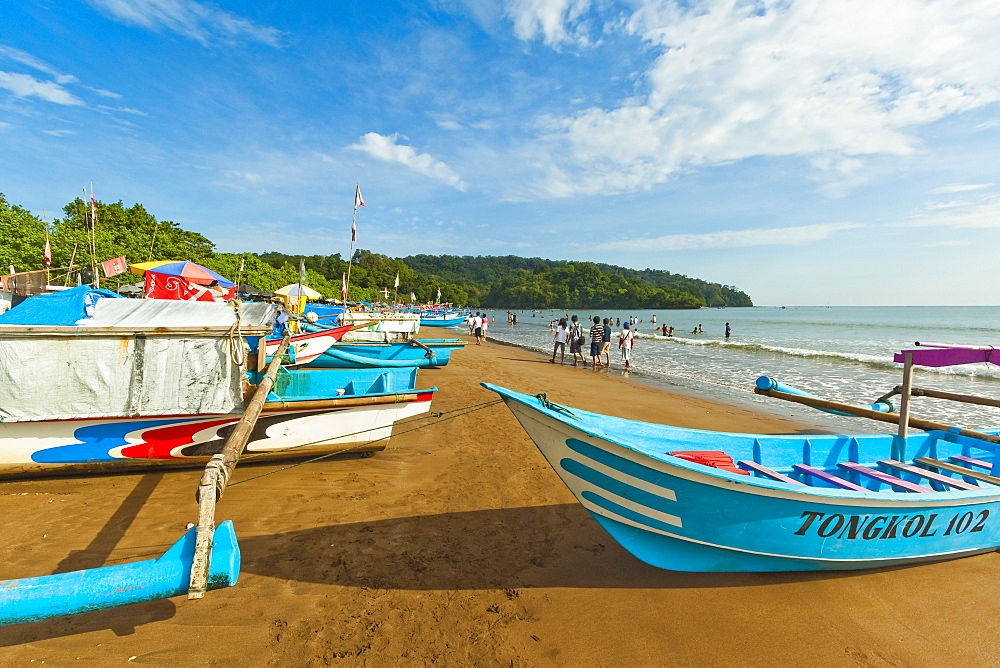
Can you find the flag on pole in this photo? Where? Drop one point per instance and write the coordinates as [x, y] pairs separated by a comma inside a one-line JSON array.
[[438, 300], [413, 297], [358, 199], [93, 208], [396, 284], [343, 286], [47, 256], [303, 279], [114, 266]]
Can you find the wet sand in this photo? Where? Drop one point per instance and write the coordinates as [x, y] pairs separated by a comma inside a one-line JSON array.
[[459, 545]]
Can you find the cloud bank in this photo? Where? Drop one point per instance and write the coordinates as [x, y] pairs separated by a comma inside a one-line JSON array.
[[730, 79]]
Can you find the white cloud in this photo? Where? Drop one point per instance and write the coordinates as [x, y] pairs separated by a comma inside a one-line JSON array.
[[386, 149], [25, 85], [959, 188], [830, 80], [981, 214], [59, 133], [201, 22], [778, 236], [555, 21]]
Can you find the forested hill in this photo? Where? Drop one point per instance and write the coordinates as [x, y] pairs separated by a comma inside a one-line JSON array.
[[504, 282], [534, 282]]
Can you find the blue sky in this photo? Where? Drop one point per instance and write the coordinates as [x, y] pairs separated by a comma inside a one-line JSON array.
[[806, 151]]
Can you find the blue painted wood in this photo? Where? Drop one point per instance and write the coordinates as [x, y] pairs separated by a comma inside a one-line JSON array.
[[885, 478], [929, 475], [766, 472], [62, 594], [836, 481]]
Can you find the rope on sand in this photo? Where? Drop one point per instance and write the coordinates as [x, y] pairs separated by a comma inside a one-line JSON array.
[[464, 410]]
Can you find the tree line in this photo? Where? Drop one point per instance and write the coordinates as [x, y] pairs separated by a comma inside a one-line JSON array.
[[480, 281]]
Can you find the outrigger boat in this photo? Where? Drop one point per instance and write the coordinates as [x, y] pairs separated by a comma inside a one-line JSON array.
[[696, 500], [365, 354]]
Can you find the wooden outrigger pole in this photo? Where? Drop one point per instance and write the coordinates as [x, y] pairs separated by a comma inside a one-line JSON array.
[[216, 475]]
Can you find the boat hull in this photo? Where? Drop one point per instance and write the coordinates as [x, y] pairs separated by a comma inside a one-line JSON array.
[[286, 429], [687, 517], [362, 355]]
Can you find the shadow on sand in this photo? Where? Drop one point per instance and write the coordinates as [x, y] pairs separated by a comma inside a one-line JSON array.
[[539, 546]]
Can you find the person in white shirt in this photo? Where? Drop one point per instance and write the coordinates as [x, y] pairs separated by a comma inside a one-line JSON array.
[[625, 342], [477, 326], [562, 333]]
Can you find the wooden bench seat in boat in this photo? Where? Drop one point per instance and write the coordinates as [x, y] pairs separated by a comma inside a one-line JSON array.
[[884, 478], [971, 461], [928, 474], [766, 472], [829, 477], [954, 468]]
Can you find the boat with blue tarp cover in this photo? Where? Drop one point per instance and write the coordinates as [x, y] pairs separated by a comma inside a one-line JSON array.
[[699, 500]]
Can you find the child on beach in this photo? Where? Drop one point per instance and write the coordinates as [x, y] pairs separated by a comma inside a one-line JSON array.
[[576, 341], [625, 342]]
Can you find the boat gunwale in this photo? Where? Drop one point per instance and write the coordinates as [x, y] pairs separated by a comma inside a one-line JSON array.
[[762, 486]]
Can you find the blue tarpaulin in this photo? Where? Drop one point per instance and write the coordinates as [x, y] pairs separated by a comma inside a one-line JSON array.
[[65, 307]]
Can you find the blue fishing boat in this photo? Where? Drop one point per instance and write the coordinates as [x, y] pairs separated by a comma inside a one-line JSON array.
[[441, 319], [410, 354], [697, 500]]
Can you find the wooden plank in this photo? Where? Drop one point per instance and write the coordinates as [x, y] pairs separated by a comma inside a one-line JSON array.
[[929, 475], [954, 468], [970, 461], [766, 472], [830, 478], [885, 478]]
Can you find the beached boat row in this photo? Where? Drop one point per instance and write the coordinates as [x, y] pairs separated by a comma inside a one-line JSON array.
[[91, 383]]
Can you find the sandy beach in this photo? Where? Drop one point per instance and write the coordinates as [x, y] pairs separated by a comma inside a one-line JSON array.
[[459, 545]]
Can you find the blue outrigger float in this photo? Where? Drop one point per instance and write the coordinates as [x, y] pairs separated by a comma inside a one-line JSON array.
[[693, 500]]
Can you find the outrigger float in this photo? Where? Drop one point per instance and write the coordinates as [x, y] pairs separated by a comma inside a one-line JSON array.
[[694, 500]]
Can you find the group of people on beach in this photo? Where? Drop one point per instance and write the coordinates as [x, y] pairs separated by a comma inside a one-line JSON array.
[[601, 333], [478, 323]]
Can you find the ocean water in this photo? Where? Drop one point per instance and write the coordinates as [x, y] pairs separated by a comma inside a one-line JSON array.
[[839, 353]]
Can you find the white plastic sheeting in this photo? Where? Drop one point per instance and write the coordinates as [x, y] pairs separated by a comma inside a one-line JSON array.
[[52, 373], [172, 313]]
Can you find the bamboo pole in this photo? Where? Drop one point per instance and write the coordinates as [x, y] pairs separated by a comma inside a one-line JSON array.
[[892, 418], [964, 398], [216, 476]]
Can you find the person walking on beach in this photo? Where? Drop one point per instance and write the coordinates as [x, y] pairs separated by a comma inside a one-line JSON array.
[[606, 341], [625, 342], [596, 339], [562, 331], [485, 326], [576, 341], [477, 328], [729, 330]]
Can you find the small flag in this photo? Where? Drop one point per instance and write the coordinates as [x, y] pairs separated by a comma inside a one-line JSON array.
[[396, 284], [93, 208], [358, 199], [114, 266], [303, 279], [343, 286], [438, 300], [48, 252], [413, 297], [354, 231], [243, 259]]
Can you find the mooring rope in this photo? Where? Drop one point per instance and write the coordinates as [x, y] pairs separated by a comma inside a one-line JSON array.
[[464, 410]]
